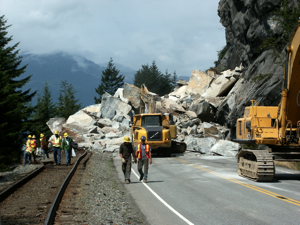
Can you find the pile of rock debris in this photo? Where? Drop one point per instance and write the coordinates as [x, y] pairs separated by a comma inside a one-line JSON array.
[[193, 104]]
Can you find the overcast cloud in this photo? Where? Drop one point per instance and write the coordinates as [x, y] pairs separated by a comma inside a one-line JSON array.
[[179, 35]]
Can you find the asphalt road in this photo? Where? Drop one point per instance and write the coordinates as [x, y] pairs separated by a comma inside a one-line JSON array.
[[189, 189]]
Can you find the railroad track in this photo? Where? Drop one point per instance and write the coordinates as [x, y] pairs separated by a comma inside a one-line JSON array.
[[35, 199]]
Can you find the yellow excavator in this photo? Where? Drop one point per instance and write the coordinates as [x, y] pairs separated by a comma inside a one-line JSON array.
[[159, 129], [277, 127]]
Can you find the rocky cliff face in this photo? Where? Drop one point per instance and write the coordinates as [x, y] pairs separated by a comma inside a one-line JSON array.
[[247, 23]]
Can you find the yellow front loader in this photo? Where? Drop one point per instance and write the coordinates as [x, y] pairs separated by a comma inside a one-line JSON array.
[[159, 129]]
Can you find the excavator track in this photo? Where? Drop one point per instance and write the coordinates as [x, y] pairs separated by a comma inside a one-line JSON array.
[[257, 165]]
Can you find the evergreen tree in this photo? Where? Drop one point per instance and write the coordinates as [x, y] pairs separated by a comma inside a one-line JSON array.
[[43, 111], [154, 79], [110, 81], [14, 103], [67, 103], [174, 80]]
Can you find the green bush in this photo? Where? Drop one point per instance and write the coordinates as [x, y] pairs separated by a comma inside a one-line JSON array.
[[260, 77]]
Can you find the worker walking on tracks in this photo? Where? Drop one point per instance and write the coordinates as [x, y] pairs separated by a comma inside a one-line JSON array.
[[56, 142], [44, 145], [143, 153], [34, 143], [125, 152], [28, 152], [67, 147]]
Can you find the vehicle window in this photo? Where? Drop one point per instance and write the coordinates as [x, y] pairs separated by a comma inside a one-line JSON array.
[[151, 121]]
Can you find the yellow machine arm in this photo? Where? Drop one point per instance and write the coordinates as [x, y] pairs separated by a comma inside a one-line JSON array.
[[147, 104], [289, 107]]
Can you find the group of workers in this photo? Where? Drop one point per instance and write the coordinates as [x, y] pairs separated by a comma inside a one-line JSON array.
[[142, 153], [58, 143]]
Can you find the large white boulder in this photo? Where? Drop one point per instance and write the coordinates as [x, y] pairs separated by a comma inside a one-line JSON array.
[[78, 124], [132, 93], [115, 141], [56, 124], [116, 125], [93, 108], [110, 105], [198, 82], [111, 135], [98, 146], [225, 148], [220, 86], [81, 119], [119, 94], [210, 130], [203, 110], [106, 130], [180, 92], [202, 145], [111, 148], [171, 106], [187, 119], [104, 122]]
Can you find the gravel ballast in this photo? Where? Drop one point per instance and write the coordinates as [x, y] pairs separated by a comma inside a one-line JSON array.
[[103, 198]]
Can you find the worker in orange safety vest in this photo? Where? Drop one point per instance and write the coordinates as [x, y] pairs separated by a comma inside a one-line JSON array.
[[143, 153]]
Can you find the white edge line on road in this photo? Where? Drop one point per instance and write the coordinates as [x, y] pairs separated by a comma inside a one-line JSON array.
[[163, 201]]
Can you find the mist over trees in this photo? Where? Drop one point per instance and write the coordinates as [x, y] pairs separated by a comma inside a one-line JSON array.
[[154, 79]]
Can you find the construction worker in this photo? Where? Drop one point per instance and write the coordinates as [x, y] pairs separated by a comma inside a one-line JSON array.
[[125, 152], [28, 141], [56, 142], [44, 146], [66, 146], [143, 153], [33, 141], [28, 152]]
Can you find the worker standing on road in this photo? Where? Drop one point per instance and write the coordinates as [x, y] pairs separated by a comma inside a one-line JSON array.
[[44, 146], [28, 152], [56, 142], [33, 143], [143, 153], [125, 152], [67, 147]]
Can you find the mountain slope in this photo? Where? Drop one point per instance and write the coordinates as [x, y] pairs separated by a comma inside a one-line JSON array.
[[82, 73]]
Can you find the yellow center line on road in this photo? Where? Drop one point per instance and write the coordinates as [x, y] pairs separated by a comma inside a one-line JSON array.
[[253, 187]]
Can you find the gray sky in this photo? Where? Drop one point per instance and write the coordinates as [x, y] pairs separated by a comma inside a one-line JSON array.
[[179, 35]]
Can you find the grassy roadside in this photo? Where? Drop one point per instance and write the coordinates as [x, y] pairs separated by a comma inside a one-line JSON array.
[[290, 165]]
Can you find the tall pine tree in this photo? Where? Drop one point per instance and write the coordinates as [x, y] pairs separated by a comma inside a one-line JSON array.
[[14, 109], [43, 111], [67, 103], [110, 81]]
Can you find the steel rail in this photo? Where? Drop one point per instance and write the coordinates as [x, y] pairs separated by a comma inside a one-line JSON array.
[[4, 194], [55, 203]]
